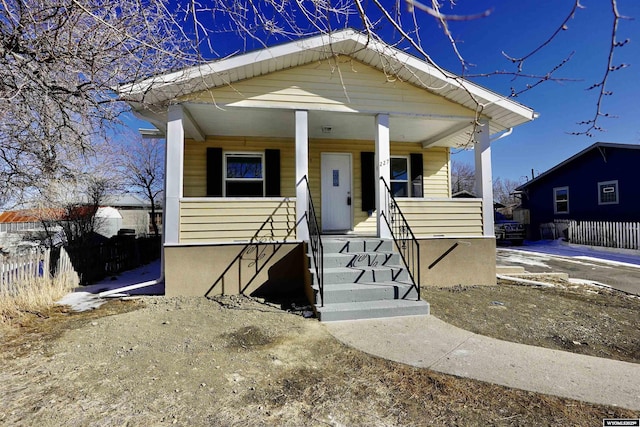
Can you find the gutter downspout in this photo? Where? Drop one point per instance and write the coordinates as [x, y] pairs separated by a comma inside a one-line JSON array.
[[507, 133]]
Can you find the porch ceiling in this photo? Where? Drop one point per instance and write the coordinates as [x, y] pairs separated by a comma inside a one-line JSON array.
[[232, 121]]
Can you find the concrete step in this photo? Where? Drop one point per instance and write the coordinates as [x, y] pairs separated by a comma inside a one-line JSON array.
[[338, 275], [371, 310], [361, 292], [350, 245], [364, 278], [359, 259]]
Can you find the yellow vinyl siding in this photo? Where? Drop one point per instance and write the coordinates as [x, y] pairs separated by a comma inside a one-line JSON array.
[[435, 169], [436, 162], [449, 217], [195, 161], [436, 172], [200, 228], [364, 224], [230, 220], [344, 85]]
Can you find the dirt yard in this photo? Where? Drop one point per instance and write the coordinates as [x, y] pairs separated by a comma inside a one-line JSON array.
[[237, 361], [578, 318]]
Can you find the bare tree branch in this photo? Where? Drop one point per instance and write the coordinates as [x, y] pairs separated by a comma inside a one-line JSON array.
[[593, 124], [140, 163], [563, 27], [61, 59]]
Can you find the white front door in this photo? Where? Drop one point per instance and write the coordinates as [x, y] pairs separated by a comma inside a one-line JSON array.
[[336, 191]]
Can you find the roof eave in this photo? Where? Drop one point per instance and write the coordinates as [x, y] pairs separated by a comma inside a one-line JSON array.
[[163, 88], [575, 156]]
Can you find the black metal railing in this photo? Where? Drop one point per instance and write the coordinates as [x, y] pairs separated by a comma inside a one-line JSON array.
[[405, 240], [315, 241], [259, 251]]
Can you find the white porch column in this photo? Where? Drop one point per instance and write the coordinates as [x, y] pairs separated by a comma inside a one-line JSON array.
[[302, 170], [484, 179], [383, 169], [174, 166]]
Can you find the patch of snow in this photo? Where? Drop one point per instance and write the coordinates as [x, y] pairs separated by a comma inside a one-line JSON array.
[[609, 261], [559, 248], [81, 301], [588, 282], [526, 258], [587, 264], [145, 273]]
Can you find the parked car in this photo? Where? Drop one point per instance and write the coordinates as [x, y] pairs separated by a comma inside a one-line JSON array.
[[508, 230]]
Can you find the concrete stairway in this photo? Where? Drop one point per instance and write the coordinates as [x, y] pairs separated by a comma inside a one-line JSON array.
[[364, 278]]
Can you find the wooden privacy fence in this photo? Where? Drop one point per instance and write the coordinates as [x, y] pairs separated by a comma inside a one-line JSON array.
[[18, 269], [624, 235], [93, 262]]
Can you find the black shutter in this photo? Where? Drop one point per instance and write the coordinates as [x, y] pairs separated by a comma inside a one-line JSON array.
[[214, 171], [272, 173], [416, 175], [368, 188]]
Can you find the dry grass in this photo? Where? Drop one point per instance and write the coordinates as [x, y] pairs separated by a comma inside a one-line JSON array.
[[578, 318], [33, 296], [347, 387], [189, 362]]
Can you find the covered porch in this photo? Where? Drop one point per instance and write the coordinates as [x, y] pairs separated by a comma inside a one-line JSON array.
[[338, 121], [345, 162]]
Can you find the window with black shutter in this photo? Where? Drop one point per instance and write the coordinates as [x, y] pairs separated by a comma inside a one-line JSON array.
[[243, 174]]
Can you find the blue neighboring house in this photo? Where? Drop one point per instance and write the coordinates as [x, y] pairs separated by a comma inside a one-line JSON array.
[[600, 183]]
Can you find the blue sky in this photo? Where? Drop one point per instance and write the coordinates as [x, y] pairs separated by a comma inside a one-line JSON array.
[[517, 27]]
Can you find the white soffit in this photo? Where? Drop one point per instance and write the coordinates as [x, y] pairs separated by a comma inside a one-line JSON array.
[[234, 121]]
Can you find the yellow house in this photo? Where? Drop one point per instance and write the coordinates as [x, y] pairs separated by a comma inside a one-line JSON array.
[[280, 160]]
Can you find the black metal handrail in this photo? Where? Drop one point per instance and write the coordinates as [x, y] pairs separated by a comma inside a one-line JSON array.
[[257, 252], [401, 233], [315, 241]]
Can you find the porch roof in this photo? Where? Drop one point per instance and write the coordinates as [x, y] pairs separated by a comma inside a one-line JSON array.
[[502, 112]]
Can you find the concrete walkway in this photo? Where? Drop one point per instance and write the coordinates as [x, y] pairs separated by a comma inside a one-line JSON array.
[[427, 342]]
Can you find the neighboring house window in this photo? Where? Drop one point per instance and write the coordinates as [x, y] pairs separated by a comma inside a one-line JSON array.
[[608, 193], [244, 174], [561, 200], [400, 177]]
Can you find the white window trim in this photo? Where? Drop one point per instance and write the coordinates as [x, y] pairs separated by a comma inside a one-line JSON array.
[[555, 200], [604, 183], [247, 154], [408, 181]]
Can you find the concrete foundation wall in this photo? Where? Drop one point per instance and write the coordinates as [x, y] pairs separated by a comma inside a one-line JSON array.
[[206, 270], [257, 269], [458, 261]]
